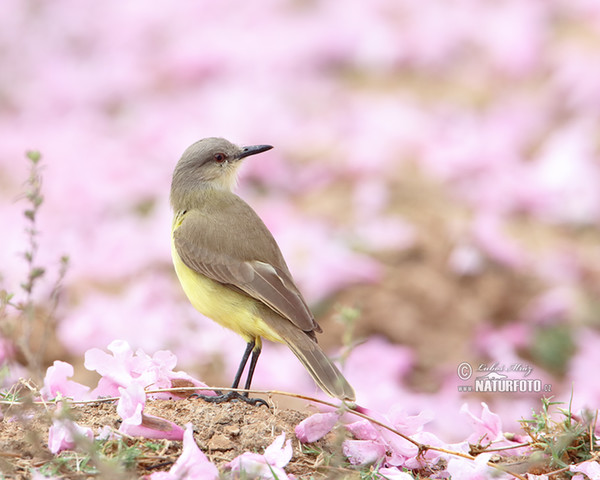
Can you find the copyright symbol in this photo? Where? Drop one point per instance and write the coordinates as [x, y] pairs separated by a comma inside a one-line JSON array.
[[465, 371]]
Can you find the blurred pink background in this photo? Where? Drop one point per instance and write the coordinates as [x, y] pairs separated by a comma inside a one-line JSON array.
[[491, 108]]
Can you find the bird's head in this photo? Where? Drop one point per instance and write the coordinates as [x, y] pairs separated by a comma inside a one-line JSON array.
[[213, 163]]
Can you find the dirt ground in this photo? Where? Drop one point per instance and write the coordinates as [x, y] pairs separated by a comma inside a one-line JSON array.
[[221, 431]]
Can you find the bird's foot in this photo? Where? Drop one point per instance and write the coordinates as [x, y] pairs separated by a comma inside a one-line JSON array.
[[231, 397]]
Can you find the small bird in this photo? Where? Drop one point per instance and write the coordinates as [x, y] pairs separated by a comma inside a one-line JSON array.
[[232, 269]]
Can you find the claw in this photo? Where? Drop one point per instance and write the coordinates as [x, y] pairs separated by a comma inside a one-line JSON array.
[[231, 397]]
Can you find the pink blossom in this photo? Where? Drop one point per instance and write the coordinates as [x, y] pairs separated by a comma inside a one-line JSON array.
[[501, 343], [590, 468], [551, 307], [333, 266], [375, 443], [123, 368], [378, 233], [192, 463], [487, 427], [587, 386], [267, 466], [514, 34], [364, 452], [567, 171], [65, 434], [316, 426], [477, 469], [131, 404], [7, 351], [115, 368], [392, 473], [55, 382], [380, 387], [489, 235], [136, 423], [466, 260], [363, 429]]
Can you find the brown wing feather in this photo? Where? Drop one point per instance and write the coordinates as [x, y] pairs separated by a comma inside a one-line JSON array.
[[209, 243]]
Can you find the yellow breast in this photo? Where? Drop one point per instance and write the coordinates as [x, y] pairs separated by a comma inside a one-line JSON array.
[[227, 307]]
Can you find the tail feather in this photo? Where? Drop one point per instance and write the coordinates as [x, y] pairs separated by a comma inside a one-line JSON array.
[[323, 371]]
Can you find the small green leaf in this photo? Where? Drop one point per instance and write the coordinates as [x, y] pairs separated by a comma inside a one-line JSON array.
[[34, 155], [37, 272]]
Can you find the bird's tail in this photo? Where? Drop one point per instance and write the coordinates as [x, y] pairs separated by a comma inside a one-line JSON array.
[[324, 372]]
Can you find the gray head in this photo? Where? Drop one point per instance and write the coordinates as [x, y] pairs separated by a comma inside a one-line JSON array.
[[209, 163]]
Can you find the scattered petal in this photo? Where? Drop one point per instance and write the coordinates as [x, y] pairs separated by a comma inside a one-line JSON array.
[[55, 382], [589, 468], [316, 426], [363, 452], [191, 464], [487, 428], [267, 466], [64, 435]]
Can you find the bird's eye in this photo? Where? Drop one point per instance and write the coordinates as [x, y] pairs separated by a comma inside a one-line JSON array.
[[219, 157]]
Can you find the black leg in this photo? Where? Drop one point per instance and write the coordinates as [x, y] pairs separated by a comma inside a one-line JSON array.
[[238, 375], [235, 396], [253, 360]]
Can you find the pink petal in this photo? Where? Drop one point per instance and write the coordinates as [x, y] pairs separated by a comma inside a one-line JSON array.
[[63, 435], [589, 468], [267, 466], [246, 459], [487, 428], [316, 426], [409, 424], [255, 466], [131, 404], [364, 430], [363, 452], [278, 454], [394, 474], [192, 463], [138, 424], [116, 366], [470, 469], [56, 382], [153, 427]]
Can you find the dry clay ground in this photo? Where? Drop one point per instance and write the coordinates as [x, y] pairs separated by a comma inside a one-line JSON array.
[[221, 431]]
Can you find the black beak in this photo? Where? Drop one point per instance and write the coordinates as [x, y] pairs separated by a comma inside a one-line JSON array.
[[253, 150]]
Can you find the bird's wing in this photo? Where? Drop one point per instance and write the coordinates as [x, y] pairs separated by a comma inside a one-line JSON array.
[[219, 246]]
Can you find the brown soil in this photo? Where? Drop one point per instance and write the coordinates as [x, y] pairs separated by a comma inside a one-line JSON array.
[[221, 431]]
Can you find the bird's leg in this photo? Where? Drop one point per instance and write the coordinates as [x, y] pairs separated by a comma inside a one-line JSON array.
[[234, 396], [238, 375], [253, 360]]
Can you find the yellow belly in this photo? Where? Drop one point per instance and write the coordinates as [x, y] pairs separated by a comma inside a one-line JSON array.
[[226, 307]]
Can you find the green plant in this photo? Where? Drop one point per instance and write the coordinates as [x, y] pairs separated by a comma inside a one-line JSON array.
[[26, 323], [565, 441]]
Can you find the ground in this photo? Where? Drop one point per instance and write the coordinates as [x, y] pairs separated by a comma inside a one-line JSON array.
[[221, 431]]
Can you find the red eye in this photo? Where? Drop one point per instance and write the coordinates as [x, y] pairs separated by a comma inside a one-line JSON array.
[[219, 157]]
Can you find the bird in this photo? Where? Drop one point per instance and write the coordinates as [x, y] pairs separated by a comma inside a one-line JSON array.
[[232, 270]]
